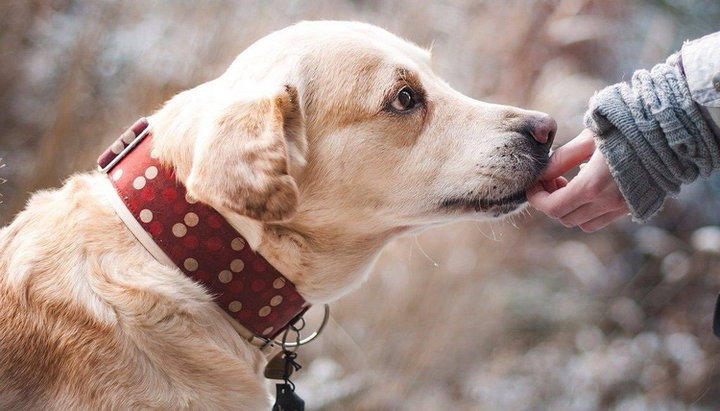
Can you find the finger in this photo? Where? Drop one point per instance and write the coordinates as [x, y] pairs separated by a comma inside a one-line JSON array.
[[534, 189], [561, 182], [570, 155], [549, 185], [602, 221], [559, 203], [552, 185], [587, 212], [536, 195]]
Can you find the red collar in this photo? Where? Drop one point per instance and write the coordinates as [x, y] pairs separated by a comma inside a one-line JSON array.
[[197, 239]]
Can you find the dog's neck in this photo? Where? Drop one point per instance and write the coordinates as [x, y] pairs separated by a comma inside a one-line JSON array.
[[324, 259], [180, 231]]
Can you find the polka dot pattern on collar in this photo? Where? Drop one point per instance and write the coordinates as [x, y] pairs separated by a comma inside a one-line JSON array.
[[200, 242]]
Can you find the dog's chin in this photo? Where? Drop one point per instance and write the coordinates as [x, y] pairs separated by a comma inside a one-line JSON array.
[[487, 207]]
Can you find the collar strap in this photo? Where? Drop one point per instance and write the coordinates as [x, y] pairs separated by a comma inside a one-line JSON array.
[[197, 240]]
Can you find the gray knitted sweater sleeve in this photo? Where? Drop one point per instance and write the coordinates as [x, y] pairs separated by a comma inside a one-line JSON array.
[[653, 136]]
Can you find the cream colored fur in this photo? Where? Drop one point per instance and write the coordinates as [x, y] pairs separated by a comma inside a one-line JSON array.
[[296, 146]]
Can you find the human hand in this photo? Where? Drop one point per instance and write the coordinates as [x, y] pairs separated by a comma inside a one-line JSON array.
[[591, 200]]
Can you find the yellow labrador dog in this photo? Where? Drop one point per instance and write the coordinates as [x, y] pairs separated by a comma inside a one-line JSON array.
[[319, 144]]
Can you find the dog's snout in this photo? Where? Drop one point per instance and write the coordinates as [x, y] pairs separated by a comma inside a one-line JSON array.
[[543, 128]]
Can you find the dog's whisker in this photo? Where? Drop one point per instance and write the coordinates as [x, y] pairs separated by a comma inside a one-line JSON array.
[[492, 237], [417, 242], [512, 221], [497, 236]]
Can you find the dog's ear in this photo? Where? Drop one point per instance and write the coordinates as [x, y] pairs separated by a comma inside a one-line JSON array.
[[242, 157]]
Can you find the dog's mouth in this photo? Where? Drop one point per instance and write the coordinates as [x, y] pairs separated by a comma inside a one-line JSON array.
[[518, 171], [499, 205]]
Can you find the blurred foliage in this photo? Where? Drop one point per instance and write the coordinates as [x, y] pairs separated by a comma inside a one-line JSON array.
[[519, 315]]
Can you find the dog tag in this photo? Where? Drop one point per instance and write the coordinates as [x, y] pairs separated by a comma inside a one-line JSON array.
[[277, 367], [287, 400]]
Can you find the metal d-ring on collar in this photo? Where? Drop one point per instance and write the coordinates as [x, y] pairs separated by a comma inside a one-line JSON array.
[[314, 335]]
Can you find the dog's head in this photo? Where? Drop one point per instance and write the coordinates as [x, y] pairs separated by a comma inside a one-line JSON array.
[[346, 123]]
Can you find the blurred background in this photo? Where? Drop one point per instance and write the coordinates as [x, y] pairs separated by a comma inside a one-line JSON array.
[[516, 315]]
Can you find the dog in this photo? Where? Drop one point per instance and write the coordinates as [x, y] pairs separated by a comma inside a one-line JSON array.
[[319, 144]]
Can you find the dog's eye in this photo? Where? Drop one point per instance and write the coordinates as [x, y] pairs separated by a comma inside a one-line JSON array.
[[405, 100]]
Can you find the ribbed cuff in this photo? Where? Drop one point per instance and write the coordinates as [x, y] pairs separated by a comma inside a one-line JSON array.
[[652, 136], [642, 195]]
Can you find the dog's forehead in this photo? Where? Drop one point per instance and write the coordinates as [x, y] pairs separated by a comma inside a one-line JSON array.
[[326, 49], [354, 63], [344, 38], [383, 40]]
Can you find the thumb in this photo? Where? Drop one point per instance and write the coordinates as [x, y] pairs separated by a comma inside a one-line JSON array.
[[570, 155]]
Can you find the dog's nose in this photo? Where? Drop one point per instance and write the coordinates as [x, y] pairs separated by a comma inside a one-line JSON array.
[[543, 129]]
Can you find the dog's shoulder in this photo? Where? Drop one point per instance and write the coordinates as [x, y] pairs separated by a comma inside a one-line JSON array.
[[47, 336], [47, 347], [91, 320]]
